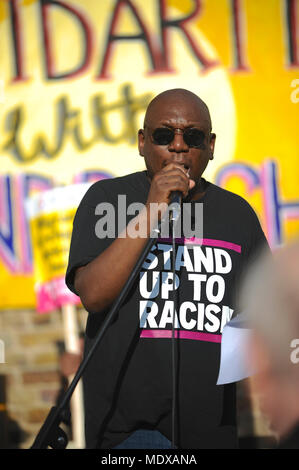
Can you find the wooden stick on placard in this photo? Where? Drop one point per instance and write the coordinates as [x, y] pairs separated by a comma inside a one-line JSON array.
[[71, 337]]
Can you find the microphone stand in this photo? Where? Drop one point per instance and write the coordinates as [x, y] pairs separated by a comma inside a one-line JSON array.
[[175, 212], [51, 434]]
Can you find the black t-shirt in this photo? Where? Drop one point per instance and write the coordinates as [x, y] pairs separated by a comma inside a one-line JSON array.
[[128, 381]]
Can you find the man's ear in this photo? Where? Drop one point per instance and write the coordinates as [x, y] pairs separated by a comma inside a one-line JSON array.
[[141, 142], [212, 144]]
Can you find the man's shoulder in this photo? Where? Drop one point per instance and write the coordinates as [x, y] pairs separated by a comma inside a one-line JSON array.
[[138, 176], [117, 185], [233, 210]]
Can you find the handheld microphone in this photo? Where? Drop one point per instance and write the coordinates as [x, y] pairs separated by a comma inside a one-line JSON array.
[[175, 205], [175, 197]]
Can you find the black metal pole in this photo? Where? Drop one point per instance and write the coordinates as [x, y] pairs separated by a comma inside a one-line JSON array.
[[50, 434]]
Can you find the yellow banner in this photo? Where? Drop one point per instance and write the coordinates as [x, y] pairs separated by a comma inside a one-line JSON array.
[[76, 77], [51, 214]]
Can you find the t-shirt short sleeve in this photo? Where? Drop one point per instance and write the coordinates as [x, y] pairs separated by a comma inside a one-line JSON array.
[[85, 244], [255, 246]]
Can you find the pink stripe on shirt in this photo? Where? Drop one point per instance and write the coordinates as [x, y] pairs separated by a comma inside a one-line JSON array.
[[205, 242], [181, 334]]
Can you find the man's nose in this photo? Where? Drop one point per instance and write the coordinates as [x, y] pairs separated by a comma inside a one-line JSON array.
[[178, 144]]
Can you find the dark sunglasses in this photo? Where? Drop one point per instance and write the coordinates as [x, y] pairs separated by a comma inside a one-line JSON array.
[[193, 137]]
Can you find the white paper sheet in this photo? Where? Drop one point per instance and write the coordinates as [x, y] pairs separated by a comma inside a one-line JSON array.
[[234, 365]]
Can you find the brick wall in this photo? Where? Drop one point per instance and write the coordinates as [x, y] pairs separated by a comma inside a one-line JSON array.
[[31, 365], [33, 373]]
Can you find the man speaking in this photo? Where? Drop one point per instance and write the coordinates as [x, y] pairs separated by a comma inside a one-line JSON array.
[[128, 383]]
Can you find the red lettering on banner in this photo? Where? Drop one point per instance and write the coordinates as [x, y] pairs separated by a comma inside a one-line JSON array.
[[238, 35], [46, 29], [180, 23], [157, 46], [292, 26], [144, 35], [17, 41]]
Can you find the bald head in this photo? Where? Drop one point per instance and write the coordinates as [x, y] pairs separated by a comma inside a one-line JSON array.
[[178, 97]]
